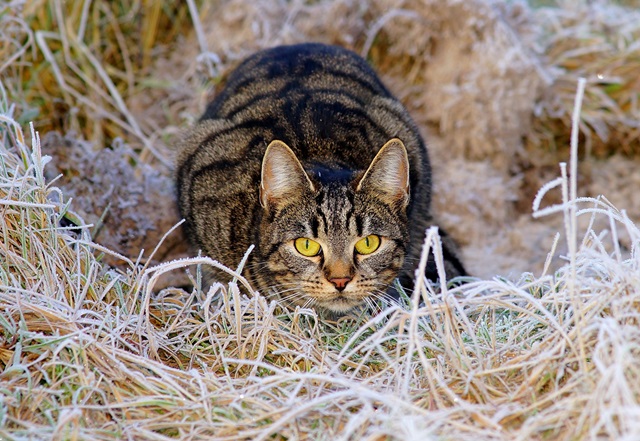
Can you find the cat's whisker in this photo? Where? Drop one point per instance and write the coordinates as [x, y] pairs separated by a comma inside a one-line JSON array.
[[290, 290], [256, 265], [293, 295], [383, 295], [284, 285], [370, 304]]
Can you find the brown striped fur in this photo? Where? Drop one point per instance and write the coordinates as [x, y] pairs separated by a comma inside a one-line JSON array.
[[327, 116]]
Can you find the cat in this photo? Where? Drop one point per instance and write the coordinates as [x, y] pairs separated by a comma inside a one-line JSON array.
[[307, 155]]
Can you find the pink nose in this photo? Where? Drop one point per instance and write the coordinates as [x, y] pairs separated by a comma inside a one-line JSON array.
[[340, 282]]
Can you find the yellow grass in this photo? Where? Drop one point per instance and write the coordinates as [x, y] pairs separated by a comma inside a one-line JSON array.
[[599, 43], [89, 351]]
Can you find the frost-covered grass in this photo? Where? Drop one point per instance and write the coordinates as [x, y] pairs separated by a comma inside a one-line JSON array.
[[91, 353]]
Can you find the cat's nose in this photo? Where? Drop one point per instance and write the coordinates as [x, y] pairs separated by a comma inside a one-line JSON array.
[[340, 282]]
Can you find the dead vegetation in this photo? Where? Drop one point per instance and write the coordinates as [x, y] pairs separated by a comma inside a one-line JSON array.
[[89, 350]]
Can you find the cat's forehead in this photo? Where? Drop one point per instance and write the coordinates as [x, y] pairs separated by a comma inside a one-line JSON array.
[[336, 196], [341, 211], [336, 208]]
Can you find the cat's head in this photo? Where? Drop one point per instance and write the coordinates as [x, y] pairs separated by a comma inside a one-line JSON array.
[[331, 238]]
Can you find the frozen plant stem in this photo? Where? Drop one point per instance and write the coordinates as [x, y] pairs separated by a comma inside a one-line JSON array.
[[573, 176], [572, 230]]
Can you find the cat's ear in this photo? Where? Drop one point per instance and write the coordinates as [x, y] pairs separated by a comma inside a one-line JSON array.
[[388, 175], [283, 177]]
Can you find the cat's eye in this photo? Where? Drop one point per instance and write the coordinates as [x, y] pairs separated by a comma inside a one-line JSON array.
[[368, 245], [307, 247]]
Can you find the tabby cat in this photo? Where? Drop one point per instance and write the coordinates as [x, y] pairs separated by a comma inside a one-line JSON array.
[[307, 155]]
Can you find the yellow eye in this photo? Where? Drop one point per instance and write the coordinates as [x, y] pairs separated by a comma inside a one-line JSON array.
[[368, 245], [307, 247]]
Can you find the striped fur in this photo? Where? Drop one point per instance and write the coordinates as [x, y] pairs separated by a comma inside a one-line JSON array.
[[329, 107]]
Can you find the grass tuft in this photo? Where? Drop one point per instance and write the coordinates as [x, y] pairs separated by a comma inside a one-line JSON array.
[[92, 352], [598, 42], [75, 66], [89, 352]]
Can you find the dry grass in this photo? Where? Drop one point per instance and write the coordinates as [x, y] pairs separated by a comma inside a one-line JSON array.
[[77, 66], [91, 352], [599, 42]]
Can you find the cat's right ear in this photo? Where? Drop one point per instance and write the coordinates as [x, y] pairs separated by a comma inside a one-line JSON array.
[[283, 177]]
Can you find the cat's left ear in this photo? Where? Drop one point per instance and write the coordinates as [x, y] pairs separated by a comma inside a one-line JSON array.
[[388, 175], [283, 177]]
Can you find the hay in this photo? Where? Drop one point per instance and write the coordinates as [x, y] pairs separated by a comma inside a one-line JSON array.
[[94, 351], [599, 42], [91, 353], [77, 63]]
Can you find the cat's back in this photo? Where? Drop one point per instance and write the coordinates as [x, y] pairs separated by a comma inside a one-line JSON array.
[[295, 73], [325, 102]]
